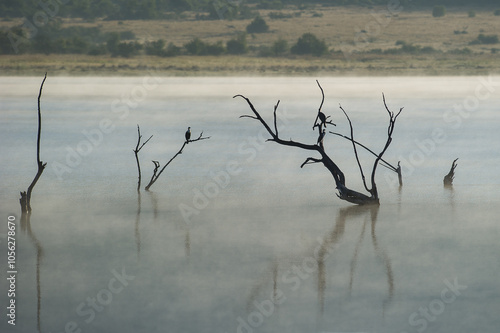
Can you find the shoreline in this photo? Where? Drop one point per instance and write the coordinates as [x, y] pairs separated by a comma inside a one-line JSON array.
[[78, 65]]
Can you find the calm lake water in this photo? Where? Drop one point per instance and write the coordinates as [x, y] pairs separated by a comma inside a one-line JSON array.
[[235, 236]]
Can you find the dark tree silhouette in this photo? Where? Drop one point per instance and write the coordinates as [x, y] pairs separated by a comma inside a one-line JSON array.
[[25, 199], [156, 173], [448, 179], [344, 193]]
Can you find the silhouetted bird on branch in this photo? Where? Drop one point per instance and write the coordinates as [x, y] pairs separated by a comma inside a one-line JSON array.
[[188, 135], [322, 117]]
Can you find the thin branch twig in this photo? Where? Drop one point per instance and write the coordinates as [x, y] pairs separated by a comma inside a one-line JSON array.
[[355, 150], [136, 152]]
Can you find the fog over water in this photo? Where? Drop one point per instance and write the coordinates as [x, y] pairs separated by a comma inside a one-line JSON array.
[[235, 236]]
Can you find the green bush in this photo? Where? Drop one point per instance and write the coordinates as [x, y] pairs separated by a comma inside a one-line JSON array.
[[309, 44], [196, 47], [496, 12], [155, 48], [258, 25], [215, 49], [280, 47], [127, 50], [438, 11], [486, 39], [172, 50], [472, 13], [237, 45]]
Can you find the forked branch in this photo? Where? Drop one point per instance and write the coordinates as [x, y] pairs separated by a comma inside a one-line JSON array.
[[137, 149], [156, 173]]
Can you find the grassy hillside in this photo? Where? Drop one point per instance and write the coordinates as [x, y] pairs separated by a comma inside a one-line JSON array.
[[360, 40]]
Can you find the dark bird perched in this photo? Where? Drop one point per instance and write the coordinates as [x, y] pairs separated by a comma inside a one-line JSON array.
[[321, 136], [322, 117], [188, 134]]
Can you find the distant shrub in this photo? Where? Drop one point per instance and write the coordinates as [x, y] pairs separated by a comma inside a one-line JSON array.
[[464, 51], [471, 13], [279, 15], [237, 45], [215, 49], [309, 44], [155, 48], [195, 47], [316, 14], [496, 12], [127, 50], [258, 25], [400, 42], [265, 51], [485, 39], [438, 11], [280, 47], [410, 49], [172, 50], [127, 35]]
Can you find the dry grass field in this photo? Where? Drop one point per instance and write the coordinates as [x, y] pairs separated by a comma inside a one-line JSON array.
[[349, 32]]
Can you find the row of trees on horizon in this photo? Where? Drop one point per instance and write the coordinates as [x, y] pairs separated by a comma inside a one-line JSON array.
[[156, 9]]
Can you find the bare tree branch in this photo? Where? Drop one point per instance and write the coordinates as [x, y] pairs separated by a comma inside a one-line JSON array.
[[157, 174], [274, 115], [386, 164], [344, 192], [355, 150], [310, 160], [325, 120], [25, 199], [390, 129], [136, 152]]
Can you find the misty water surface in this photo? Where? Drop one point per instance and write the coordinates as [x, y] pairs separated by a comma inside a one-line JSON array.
[[235, 236]]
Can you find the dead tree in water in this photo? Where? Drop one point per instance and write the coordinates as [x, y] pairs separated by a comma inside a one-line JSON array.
[[156, 173], [344, 192], [25, 199], [137, 149], [448, 179]]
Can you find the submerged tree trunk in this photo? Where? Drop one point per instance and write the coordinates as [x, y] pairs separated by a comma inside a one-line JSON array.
[[344, 192], [25, 199], [448, 179]]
